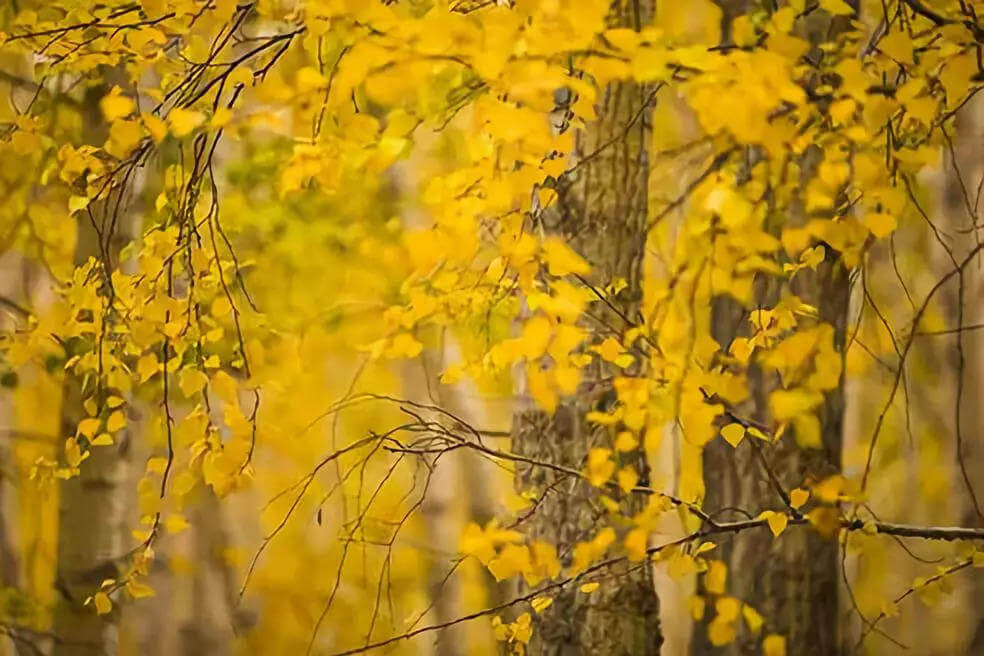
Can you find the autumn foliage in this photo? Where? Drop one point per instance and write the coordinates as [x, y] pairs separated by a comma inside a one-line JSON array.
[[506, 326]]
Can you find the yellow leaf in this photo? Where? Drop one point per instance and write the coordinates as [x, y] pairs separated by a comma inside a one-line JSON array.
[[102, 603], [733, 434], [540, 604], [636, 543], [807, 431], [774, 645], [787, 404], [73, 453], [627, 479], [225, 386], [777, 521], [512, 560], [183, 483], [175, 524], [475, 542], [77, 203], [139, 39], [240, 75], [89, 426], [898, 46], [157, 465], [609, 349], [500, 631], [704, 547], [138, 590], [587, 552], [600, 467], [825, 520], [115, 105], [561, 259], [104, 439], [184, 121], [124, 136], [116, 421], [535, 337], [588, 588], [626, 441], [221, 118], [545, 562], [523, 628], [958, 76], [191, 382], [541, 390], [698, 606], [624, 360], [837, 7], [680, 565], [147, 367], [721, 632], [812, 257], [716, 577], [221, 306], [727, 608], [404, 345], [753, 618], [829, 489], [155, 126], [798, 496], [310, 79], [880, 224], [741, 348]]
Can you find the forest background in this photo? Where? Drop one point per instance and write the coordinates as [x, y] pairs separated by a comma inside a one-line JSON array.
[[491, 326]]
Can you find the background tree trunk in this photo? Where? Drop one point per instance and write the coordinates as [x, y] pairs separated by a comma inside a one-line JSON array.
[[792, 581], [92, 512], [211, 628], [440, 510], [601, 211], [961, 205]]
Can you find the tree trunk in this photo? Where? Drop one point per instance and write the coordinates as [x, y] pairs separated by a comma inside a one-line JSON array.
[[92, 513], [960, 210], [210, 631], [601, 212], [439, 510], [793, 581]]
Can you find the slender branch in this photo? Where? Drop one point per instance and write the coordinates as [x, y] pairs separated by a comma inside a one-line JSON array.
[[945, 533], [569, 471], [942, 533]]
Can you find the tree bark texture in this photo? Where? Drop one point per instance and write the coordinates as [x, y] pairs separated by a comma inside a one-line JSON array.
[[601, 211], [793, 581]]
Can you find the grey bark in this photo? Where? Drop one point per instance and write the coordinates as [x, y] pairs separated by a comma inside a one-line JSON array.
[[601, 212], [792, 581]]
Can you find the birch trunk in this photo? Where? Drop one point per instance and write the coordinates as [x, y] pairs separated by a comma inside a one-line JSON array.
[[92, 513]]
